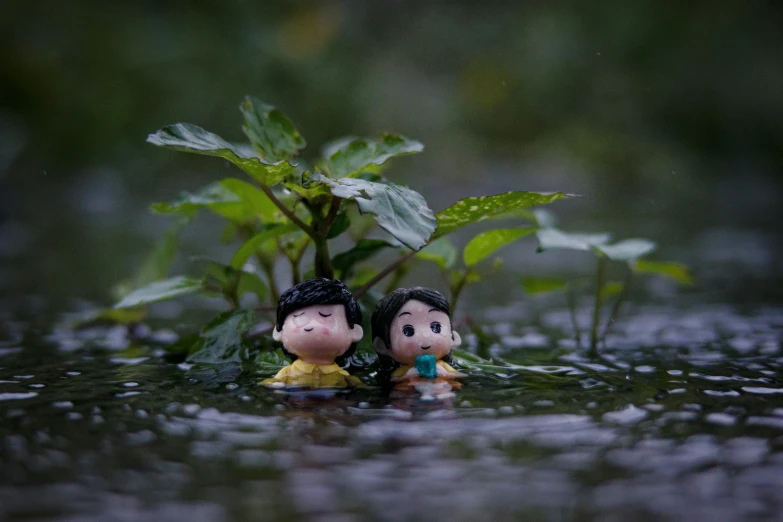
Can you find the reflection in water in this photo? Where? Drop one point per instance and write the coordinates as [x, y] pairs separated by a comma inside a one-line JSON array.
[[684, 432]]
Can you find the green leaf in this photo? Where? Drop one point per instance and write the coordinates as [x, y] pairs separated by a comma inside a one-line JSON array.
[[156, 265], [484, 244], [214, 197], [186, 137], [472, 210], [302, 185], [609, 289], [672, 270], [626, 250], [362, 275], [331, 147], [349, 158], [272, 134], [270, 361], [160, 290], [111, 316], [249, 282], [271, 231], [400, 211], [550, 238], [456, 275], [340, 225], [363, 250], [254, 198], [541, 285], [222, 340], [441, 251], [230, 278]]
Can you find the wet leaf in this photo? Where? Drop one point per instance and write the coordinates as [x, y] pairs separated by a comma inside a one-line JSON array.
[[271, 133], [303, 186], [271, 231], [400, 211], [363, 250], [472, 210], [541, 285], [550, 238], [626, 250], [441, 251], [676, 271], [486, 243], [214, 197], [160, 290], [346, 158], [186, 137], [270, 361], [222, 340], [254, 198]]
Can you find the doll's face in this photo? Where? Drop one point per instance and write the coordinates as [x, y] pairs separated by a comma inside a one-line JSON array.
[[318, 334], [419, 329]]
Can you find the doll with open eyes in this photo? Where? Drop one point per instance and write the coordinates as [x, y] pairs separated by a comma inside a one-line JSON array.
[[412, 334], [319, 324]]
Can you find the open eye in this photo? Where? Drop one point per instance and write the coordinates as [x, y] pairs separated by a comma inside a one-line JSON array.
[[435, 327], [408, 330], [324, 315]]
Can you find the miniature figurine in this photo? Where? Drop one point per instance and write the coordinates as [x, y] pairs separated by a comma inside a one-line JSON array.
[[319, 324], [412, 334]]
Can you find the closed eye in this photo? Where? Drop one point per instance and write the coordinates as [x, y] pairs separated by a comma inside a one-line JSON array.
[[298, 315], [324, 315]]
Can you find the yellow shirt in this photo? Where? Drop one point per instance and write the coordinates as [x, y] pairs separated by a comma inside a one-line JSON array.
[[307, 375], [451, 373]]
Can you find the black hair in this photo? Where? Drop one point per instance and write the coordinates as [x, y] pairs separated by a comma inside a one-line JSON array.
[[387, 308], [319, 291]]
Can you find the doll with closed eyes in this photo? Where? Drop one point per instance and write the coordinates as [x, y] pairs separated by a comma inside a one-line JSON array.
[[413, 336], [319, 324]]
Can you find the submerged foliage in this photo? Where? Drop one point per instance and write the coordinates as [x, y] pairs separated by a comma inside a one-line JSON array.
[[286, 210], [628, 252]]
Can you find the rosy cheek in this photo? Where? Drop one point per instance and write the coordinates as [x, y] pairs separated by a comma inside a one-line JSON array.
[[410, 346], [325, 331]]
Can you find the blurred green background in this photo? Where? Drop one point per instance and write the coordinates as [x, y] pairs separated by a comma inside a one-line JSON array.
[[666, 116]]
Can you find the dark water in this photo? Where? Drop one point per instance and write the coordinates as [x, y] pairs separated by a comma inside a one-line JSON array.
[[681, 419]]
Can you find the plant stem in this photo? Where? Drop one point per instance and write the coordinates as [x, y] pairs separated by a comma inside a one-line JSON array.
[[572, 309], [269, 271], [323, 262], [618, 304], [334, 208], [383, 273], [599, 284], [296, 261], [457, 290], [288, 212]]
